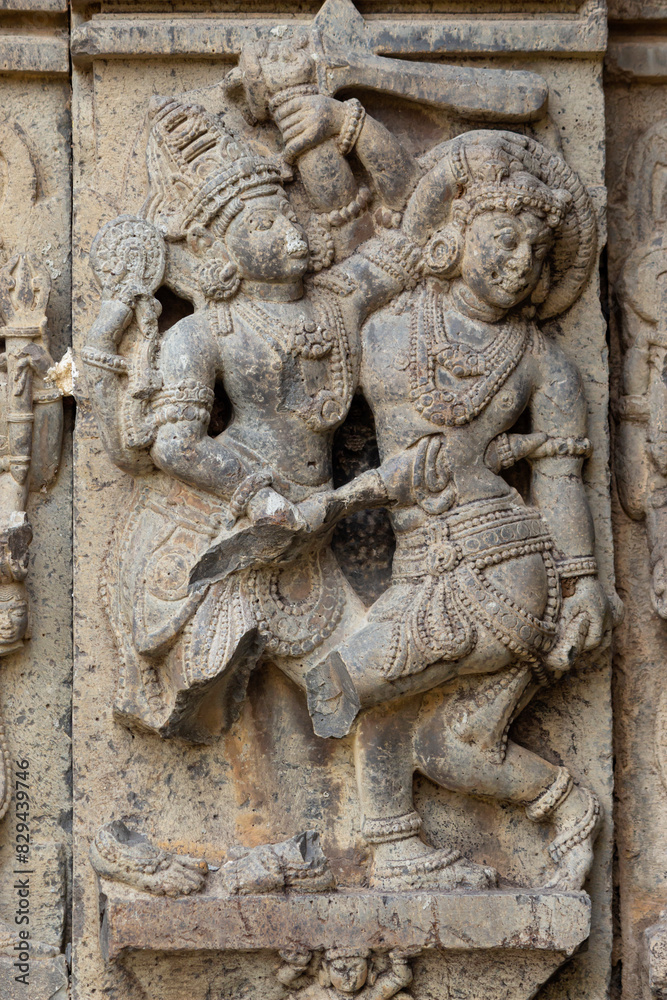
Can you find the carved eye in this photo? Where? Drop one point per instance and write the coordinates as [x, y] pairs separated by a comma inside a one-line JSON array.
[[261, 222], [541, 251], [507, 239]]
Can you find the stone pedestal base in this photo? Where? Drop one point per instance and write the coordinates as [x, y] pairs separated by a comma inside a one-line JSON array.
[[489, 945]]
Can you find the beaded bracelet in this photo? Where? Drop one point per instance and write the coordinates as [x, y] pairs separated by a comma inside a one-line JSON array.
[[340, 216], [104, 359], [352, 126], [577, 566]]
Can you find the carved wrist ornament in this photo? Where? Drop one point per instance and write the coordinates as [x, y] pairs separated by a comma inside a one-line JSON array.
[[104, 359], [352, 126], [577, 566]]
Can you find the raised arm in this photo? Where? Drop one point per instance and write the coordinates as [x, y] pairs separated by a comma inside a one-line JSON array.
[[308, 121]]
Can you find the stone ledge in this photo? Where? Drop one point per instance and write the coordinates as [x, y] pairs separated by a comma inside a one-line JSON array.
[[512, 920], [223, 37]]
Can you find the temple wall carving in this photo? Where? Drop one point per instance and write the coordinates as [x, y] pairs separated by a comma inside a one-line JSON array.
[[333, 561]]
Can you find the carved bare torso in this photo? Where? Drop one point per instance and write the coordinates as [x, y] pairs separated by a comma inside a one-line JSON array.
[[389, 374], [271, 382]]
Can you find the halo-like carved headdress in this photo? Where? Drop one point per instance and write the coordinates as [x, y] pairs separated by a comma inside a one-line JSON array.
[[494, 179], [486, 170], [197, 168]]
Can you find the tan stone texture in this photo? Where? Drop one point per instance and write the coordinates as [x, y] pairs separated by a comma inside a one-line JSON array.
[[144, 917], [269, 776]]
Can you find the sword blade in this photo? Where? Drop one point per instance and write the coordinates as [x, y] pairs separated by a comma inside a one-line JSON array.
[[488, 95]]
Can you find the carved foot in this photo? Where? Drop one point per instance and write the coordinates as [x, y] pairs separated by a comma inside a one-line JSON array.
[[126, 856], [298, 864], [577, 821], [9, 939], [443, 869]]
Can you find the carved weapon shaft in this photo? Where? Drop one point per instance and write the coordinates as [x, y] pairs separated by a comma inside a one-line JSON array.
[[345, 58], [20, 416], [479, 94]]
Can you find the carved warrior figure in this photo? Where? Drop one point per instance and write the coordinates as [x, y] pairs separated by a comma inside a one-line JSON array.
[[641, 447], [289, 365], [224, 560], [484, 584]]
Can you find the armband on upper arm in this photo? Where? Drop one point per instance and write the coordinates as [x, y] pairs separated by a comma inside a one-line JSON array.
[[395, 255], [187, 400]]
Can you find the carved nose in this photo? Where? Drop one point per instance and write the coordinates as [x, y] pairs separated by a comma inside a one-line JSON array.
[[521, 259]]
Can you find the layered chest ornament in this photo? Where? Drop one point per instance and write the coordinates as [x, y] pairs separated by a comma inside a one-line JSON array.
[[432, 351], [323, 339]]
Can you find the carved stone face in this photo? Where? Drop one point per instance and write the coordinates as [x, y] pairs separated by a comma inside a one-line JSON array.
[[348, 974], [13, 621], [266, 242], [503, 256]]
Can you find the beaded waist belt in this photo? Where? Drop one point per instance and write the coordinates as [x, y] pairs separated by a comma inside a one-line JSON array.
[[481, 534], [464, 544]]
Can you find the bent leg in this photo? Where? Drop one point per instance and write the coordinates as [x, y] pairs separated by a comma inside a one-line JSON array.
[[390, 825], [446, 753]]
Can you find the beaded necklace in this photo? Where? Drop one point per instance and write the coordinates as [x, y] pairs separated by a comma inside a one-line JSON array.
[[323, 339], [431, 348]]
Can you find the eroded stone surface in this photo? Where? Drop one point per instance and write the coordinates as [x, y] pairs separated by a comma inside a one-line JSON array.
[[185, 671]]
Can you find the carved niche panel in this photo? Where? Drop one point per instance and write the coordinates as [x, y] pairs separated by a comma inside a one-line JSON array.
[[638, 268], [35, 505], [357, 792]]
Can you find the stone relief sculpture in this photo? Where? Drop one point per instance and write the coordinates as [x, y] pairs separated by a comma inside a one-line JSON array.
[[424, 287], [31, 424], [641, 468]]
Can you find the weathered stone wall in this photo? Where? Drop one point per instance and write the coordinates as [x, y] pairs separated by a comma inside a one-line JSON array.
[[77, 82], [635, 100], [35, 690]]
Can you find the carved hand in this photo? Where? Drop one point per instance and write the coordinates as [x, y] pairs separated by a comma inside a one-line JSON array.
[[270, 508], [307, 121], [585, 624]]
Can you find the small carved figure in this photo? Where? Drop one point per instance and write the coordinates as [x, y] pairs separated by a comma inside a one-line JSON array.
[[31, 427], [342, 973], [30, 431]]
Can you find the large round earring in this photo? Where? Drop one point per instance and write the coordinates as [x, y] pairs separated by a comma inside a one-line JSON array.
[[219, 280], [442, 254]]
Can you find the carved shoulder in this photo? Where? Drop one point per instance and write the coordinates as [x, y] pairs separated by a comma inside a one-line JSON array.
[[559, 403], [189, 352]]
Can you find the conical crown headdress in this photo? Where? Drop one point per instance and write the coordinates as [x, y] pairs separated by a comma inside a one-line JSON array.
[[196, 167]]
